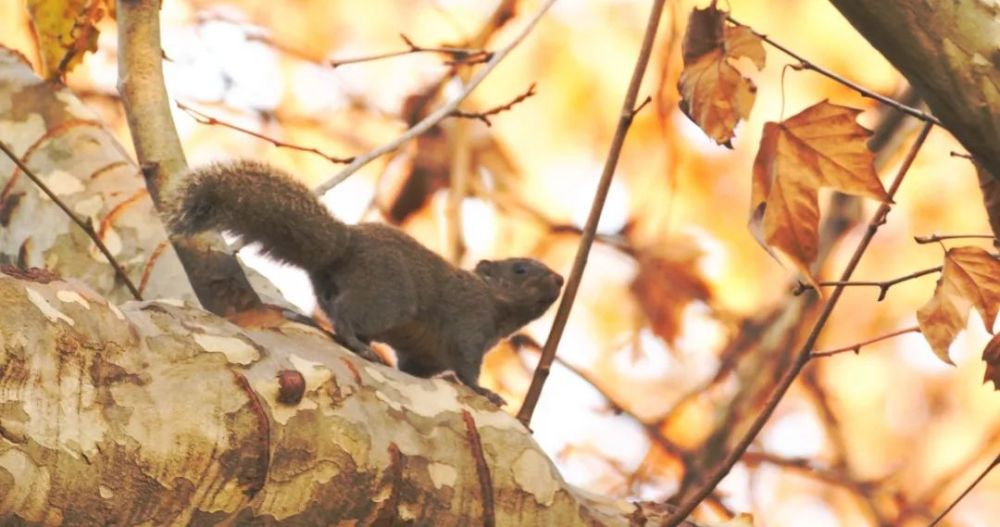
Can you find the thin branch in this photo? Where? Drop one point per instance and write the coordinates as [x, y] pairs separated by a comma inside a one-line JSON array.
[[435, 117], [458, 55], [883, 285], [204, 118], [645, 102], [996, 461], [805, 352], [865, 92], [806, 468], [653, 428], [484, 115], [87, 227], [590, 228], [856, 348], [934, 238], [963, 155], [934, 488]]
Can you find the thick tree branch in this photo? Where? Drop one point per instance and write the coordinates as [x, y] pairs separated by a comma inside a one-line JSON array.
[[216, 276], [188, 428], [947, 49]]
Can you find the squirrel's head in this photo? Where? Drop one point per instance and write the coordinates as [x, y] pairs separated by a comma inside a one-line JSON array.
[[526, 286]]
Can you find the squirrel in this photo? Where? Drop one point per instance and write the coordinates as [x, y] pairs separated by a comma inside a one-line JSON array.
[[373, 281]]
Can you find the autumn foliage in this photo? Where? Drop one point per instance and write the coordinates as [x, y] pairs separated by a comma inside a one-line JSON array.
[[693, 307]]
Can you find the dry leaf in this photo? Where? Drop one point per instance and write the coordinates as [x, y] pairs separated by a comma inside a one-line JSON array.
[[991, 356], [971, 277], [65, 29], [822, 146], [713, 92], [666, 283]]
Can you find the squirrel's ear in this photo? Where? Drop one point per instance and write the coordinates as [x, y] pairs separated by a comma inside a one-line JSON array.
[[484, 267]]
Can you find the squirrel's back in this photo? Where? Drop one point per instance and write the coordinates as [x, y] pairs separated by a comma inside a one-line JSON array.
[[260, 204]]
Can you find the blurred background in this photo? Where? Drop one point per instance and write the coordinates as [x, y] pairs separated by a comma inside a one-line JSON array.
[[682, 322]]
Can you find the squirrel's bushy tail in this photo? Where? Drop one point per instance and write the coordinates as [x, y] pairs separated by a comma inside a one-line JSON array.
[[260, 204]]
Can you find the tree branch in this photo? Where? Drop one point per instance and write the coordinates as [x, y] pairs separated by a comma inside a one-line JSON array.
[[802, 357], [590, 228], [996, 461], [206, 119], [215, 275], [865, 92], [484, 115], [947, 50], [934, 238], [883, 285], [436, 116], [856, 348]]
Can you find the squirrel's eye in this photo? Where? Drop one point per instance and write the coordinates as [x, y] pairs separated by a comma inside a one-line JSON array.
[[520, 268]]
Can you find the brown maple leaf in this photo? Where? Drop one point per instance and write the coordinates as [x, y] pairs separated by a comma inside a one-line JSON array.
[[991, 356], [970, 277], [822, 146], [668, 280], [713, 92]]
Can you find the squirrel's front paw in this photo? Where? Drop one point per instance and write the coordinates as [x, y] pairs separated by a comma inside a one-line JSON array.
[[369, 354], [490, 394], [450, 376]]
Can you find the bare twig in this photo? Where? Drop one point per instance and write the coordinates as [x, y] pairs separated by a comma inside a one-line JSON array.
[[856, 347], [590, 228], [436, 116], [204, 118], [865, 92], [457, 55], [805, 467], [484, 115], [963, 155], [934, 238], [996, 461], [805, 352], [87, 227], [883, 285], [654, 430], [938, 485]]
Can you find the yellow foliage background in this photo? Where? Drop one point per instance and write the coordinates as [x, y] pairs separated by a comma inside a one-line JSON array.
[[920, 429]]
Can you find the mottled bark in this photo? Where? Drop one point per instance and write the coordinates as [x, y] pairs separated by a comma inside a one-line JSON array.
[[63, 142], [158, 414]]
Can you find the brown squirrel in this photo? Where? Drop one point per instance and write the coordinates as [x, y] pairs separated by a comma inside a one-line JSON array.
[[372, 280]]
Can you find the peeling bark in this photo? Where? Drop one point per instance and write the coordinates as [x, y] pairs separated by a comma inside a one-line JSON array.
[[163, 414], [65, 144]]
